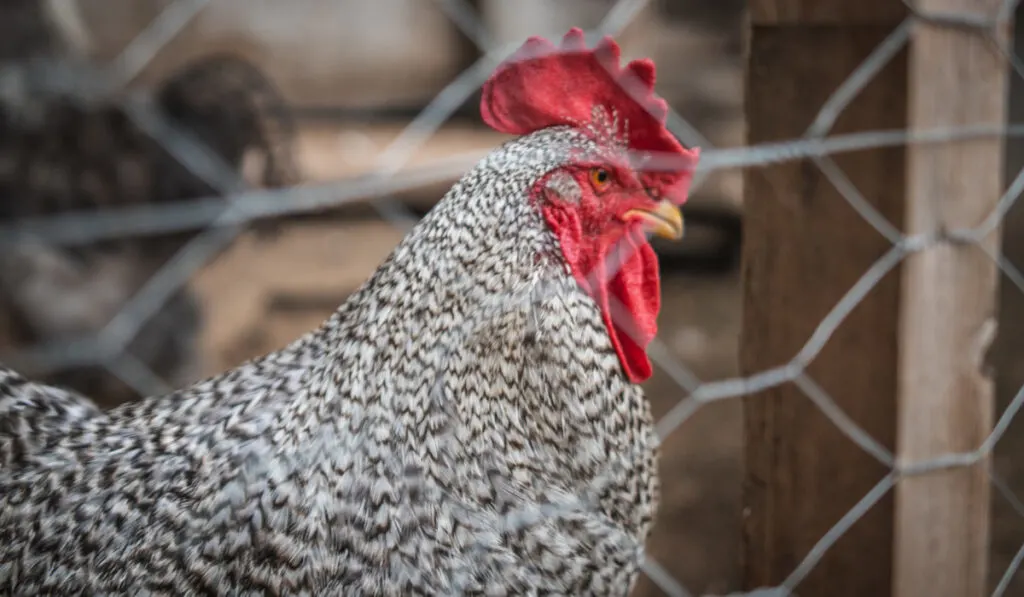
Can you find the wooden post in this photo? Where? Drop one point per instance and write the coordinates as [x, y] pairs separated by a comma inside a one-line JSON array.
[[907, 361], [957, 78], [1008, 355], [804, 248]]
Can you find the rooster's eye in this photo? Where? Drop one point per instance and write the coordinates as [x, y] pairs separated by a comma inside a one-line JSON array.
[[600, 178]]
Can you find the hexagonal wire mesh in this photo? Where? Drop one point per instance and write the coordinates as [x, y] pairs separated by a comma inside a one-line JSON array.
[[220, 218]]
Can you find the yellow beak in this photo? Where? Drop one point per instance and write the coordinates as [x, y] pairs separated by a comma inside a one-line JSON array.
[[664, 220]]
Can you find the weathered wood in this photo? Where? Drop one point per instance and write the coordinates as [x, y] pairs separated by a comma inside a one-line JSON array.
[[804, 248], [1008, 356], [908, 362], [948, 309]]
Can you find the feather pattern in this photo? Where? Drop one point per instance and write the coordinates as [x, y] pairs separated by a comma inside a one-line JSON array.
[[414, 444]]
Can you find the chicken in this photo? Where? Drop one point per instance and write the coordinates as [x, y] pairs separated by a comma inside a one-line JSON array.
[[58, 156], [469, 421]]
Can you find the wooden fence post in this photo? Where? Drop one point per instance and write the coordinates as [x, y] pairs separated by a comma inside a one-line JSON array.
[[948, 307], [1008, 354], [804, 248], [908, 360]]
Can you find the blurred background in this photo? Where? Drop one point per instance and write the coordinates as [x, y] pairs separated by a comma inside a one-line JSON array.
[[315, 93]]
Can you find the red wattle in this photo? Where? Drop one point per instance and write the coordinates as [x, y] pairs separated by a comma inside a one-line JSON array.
[[630, 299], [621, 274]]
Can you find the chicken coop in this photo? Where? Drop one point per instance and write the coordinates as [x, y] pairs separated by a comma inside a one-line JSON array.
[[188, 185]]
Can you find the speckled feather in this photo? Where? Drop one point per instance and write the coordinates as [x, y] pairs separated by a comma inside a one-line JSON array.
[[461, 425]]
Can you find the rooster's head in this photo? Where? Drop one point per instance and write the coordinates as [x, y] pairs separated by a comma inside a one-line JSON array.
[[600, 203]]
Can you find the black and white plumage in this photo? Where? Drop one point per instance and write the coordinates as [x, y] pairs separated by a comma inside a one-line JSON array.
[[463, 424]]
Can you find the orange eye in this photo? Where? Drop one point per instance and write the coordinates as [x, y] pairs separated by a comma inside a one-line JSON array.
[[600, 178]]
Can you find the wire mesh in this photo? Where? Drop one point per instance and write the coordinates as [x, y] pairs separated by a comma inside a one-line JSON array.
[[220, 218]]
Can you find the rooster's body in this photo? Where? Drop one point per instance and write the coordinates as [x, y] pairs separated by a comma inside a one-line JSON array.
[[468, 422]]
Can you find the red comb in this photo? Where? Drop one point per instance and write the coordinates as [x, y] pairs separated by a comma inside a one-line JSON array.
[[542, 86]]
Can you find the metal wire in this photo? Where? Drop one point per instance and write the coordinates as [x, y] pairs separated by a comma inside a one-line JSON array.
[[221, 218]]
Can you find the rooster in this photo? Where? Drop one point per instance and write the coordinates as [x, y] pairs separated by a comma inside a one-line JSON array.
[[469, 421]]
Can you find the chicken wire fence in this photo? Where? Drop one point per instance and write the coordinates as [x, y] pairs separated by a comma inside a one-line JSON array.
[[222, 218]]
